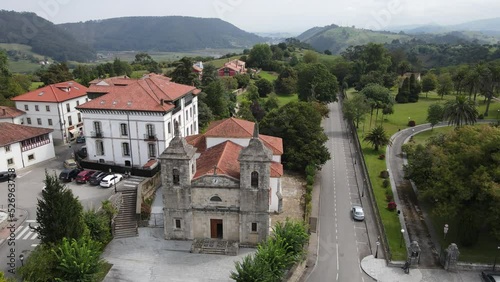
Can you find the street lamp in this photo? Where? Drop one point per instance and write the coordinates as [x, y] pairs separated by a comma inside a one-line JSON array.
[[495, 262], [402, 234], [378, 244], [445, 230], [21, 258]]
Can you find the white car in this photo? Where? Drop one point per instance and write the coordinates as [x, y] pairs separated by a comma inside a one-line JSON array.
[[110, 180]]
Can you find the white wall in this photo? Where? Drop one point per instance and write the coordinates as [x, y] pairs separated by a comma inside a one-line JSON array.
[[274, 182], [15, 154], [21, 159]]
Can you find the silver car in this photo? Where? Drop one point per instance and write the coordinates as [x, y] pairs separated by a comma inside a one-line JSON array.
[[357, 213]]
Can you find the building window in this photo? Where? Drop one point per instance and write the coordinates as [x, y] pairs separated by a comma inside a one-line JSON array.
[[255, 179], [79, 117], [10, 161], [97, 127], [254, 226], [194, 109], [67, 107], [195, 127], [126, 149], [152, 150], [47, 108], [215, 199], [168, 128], [36, 108], [187, 117], [50, 121], [150, 129], [86, 99], [123, 129], [77, 103], [39, 121], [31, 157], [99, 147], [7, 148], [26, 108], [190, 112], [70, 121], [177, 224], [176, 176], [28, 120]]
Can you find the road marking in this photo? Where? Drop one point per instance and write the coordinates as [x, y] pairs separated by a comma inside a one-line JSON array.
[[28, 235], [128, 185], [31, 220], [23, 174], [34, 245], [338, 266], [22, 233]]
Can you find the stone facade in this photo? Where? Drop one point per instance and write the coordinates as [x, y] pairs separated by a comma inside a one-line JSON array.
[[217, 205]]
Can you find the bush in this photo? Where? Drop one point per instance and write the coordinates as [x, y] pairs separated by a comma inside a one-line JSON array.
[[384, 174], [381, 157], [411, 123], [310, 179], [40, 265], [98, 225], [391, 206], [386, 183], [481, 116]]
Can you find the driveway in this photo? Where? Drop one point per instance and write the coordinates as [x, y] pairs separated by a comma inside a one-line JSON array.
[[149, 257]]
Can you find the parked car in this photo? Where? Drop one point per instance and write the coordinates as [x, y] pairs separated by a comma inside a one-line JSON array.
[[110, 180], [80, 139], [68, 175], [357, 212], [84, 176], [4, 176], [489, 276], [97, 177], [70, 164], [82, 153]]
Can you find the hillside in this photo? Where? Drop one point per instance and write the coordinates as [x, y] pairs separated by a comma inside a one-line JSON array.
[[167, 34], [337, 39], [44, 37]]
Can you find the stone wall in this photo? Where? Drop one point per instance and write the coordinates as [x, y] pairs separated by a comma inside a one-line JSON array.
[[230, 224], [201, 197]]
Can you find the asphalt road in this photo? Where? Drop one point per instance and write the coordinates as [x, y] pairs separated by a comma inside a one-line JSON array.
[[29, 184], [343, 242]]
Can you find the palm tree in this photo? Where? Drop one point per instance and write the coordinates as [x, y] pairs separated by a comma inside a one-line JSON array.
[[461, 111], [377, 137]]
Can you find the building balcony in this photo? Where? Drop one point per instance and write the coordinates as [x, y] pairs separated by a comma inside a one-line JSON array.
[[96, 134], [150, 137]]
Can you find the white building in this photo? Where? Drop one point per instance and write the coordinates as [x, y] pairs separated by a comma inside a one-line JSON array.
[[12, 115], [22, 146], [130, 122], [53, 106]]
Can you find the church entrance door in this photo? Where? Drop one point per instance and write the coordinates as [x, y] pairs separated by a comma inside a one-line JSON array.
[[216, 230]]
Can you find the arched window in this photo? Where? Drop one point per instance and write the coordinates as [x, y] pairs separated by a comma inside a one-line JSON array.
[[255, 179], [215, 199], [176, 176]]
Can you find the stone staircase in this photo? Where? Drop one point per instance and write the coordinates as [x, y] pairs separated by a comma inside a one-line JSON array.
[[126, 220], [215, 247]]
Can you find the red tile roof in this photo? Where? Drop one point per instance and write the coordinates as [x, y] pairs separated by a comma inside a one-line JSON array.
[[239, 128], [12, 133], [145, 94], [224, 156], [276, 169], [236, 65], [198, 141], [9, 112], [54, 93]]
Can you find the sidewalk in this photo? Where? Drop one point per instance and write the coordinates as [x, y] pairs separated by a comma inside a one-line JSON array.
[[21, 216]]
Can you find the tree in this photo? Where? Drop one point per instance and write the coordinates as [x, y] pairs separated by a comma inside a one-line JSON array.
[[435, 114], [460, 111], [310, 57], [41, 265], [415, 89], [327, 52], [445, 85], [265, 87], [403, 92], [84, 74], [257, 111], [216, 100], [377, 137], [378, 97], [355, 108], [58, 213], [287, 81], [244, 111], [121, 67], [209, 74], [55, 73], [429, 83], [243, 80], [98, 225], [315, 82], [79, 260], [183, 72], [271, 102], [260, 56], [299, 125], [294, 233]]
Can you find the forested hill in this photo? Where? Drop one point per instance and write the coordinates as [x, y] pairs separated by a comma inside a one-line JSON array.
[[44, 37], [170, 33]]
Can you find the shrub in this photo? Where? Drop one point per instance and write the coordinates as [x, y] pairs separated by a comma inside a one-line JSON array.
[[40, 265], [310, 180], [381, 157], [411, 123], [386, 183], [481, 116], [384, 174], [388, 197], [391, 206], [98, 225]]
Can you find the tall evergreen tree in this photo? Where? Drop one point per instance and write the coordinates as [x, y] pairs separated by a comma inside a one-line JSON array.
[[415, 89], [403, 95]]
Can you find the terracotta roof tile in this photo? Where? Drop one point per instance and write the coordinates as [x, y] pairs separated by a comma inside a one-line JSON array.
[[276, 170], [10, 112], [12, 133], [144, 94], [54, 93], [198, 141], [273, 143], [224, 156]]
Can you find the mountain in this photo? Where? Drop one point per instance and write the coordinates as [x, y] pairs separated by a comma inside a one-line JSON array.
[[171, 33], [336, 38], [489, 27], [44, 37]]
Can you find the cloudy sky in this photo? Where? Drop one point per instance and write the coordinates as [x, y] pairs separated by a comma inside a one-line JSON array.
[[271, 15]]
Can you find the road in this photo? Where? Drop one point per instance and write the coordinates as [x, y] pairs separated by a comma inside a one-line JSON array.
[[343, 242], [29, 184]]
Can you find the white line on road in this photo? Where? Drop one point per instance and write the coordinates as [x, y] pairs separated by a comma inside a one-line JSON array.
[[128, 185], [22, 233], [338, 265], [28, 235], [31, 220], [23, 174], [34, 245]]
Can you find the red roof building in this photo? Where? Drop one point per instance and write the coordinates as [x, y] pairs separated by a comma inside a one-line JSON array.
[[233, 68], [12, 115]]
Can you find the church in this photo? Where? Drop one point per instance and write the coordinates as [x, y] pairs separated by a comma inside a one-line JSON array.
[[222, 184]]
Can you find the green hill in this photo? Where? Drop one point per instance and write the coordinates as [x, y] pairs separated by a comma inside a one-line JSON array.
[[166, 34], [337, 39], [45, 38]]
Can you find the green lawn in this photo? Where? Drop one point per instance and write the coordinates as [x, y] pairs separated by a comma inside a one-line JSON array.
[[35, 85], [271, 76], [392, 123], [285, 99]]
